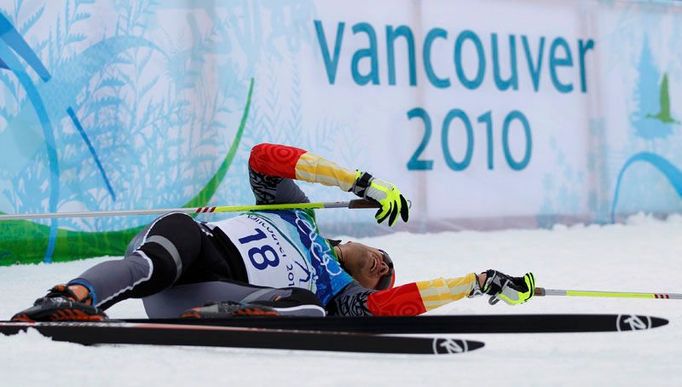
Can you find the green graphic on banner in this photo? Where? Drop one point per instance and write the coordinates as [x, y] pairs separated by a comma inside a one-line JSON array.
[[25, 242], [664, 114]]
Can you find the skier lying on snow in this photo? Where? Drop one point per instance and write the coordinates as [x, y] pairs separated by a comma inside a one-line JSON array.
[[267, 262]]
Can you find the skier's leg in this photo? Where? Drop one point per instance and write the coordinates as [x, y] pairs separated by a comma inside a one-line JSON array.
[[218, 299], [155, 260]]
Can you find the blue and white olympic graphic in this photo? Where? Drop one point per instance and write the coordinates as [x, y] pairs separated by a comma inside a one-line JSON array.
[[485, 114]]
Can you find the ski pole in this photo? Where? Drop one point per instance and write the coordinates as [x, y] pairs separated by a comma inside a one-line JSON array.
[[608, 294], [353, 204]]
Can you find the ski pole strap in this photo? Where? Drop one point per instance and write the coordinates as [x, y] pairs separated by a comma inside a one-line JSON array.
[[606, 294], [353, 204]]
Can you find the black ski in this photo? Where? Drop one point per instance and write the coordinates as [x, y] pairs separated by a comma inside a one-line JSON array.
[[109, 332], [496, 323]]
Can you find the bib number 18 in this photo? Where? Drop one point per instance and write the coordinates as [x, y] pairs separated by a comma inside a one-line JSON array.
[[263, 256]]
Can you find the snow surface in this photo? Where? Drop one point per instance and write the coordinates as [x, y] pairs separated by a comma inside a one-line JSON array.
[[643, 255]]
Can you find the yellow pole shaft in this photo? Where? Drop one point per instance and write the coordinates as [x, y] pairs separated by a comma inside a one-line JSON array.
[[606, 294], [353, 204]]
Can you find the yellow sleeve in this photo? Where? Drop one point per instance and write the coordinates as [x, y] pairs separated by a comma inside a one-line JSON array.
[[441, 291], [315, 169]]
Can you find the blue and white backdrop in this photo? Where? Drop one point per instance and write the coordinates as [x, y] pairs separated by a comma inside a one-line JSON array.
[[485, 113]]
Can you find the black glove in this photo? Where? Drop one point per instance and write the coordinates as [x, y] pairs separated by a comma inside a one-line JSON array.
[[386, 194], [512, 290]]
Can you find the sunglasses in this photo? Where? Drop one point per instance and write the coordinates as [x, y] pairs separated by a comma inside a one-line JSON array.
[[388, 279]]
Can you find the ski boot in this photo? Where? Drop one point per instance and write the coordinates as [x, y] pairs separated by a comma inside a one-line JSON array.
[[228, 309], [60, 304]]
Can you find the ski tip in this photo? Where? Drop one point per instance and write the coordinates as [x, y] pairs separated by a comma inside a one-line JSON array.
[[448, 346], [658, 322]]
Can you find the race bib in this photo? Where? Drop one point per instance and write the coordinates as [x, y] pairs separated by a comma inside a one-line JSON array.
[[270, 256]]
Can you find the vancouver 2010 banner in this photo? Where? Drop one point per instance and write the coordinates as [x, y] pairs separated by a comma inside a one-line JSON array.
[[489, 114]]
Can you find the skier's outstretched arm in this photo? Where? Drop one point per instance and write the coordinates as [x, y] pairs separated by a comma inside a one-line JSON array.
[[419, 297]]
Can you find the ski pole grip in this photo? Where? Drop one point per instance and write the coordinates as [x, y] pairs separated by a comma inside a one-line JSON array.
[[363, 203], [540, 292], [369, 203]]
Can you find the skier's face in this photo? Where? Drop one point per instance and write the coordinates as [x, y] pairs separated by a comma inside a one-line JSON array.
[[366, 264]]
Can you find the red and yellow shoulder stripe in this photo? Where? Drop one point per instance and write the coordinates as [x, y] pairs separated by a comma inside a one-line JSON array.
[[295, 163]]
